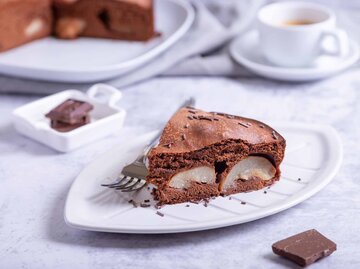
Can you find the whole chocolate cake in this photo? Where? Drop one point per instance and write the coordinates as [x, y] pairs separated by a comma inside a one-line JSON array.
[[116, 19], [205, 154]]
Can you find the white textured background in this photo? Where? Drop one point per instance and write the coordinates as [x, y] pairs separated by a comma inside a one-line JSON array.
[[34, 181]]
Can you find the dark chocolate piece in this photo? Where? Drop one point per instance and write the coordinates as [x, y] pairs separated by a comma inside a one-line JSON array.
[[304, 248], [66, 127], [71, 111]]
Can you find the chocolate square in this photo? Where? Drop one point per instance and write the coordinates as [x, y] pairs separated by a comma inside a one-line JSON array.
[[304, 248], [70, 112], [66, 127]]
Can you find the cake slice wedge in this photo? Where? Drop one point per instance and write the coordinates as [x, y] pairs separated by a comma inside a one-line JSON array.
[[206, 154]]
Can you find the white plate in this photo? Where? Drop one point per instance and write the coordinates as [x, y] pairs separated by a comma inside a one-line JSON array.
[[91, 59], [314, 154], [246, 50]]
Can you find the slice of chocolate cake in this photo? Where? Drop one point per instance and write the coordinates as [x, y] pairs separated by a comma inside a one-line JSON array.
[[116, 19], [202, 154], [22, 21]]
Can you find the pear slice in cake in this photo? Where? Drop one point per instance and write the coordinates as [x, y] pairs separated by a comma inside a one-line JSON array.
[[205, 154]]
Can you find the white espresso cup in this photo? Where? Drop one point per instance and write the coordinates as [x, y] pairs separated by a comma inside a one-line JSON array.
[[294, 34]]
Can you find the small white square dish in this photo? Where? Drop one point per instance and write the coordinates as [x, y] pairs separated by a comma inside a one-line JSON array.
[[106, 118]]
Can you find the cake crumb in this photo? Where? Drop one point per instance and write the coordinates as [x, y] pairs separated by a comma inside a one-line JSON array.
[[159, 213]]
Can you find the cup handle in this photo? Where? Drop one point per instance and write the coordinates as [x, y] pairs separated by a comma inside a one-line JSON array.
[[341, 40]]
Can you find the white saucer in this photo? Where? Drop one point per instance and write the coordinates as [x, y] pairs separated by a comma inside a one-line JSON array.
[[313, 154], [246, 50], [95, 59]]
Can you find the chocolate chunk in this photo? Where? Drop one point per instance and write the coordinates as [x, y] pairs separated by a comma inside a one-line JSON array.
[[71, 112], [67, 127], [304, 248]]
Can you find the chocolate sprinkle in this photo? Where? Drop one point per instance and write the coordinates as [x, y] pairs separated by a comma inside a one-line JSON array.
[[186, 125], [243, 124], [183, 136], [194, 202], [215, 119], [205, 118], [299, 179], [159, 213], [191, 111], [243, 203], [265, 192], [274, 135], [144, 205], [187, 206], [230, 198], [146, 201], [190, 117], [261, 126]]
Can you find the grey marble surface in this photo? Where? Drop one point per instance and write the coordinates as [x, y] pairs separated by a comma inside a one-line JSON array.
[[34, 181]]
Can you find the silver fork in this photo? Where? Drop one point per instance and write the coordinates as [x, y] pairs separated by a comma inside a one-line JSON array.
[[133, 176]]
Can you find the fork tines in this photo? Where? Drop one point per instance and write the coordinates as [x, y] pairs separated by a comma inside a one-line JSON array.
[[126, 183]]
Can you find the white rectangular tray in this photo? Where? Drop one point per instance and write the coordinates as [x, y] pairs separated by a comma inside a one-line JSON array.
[[313, 154]]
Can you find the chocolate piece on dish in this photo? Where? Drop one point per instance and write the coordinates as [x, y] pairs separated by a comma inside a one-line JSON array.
[[304, 248], [69, 115], [22, 21], [202, 154], [115, 19], [70, 111]]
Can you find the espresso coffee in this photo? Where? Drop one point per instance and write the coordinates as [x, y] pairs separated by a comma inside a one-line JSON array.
[[297, 22]]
